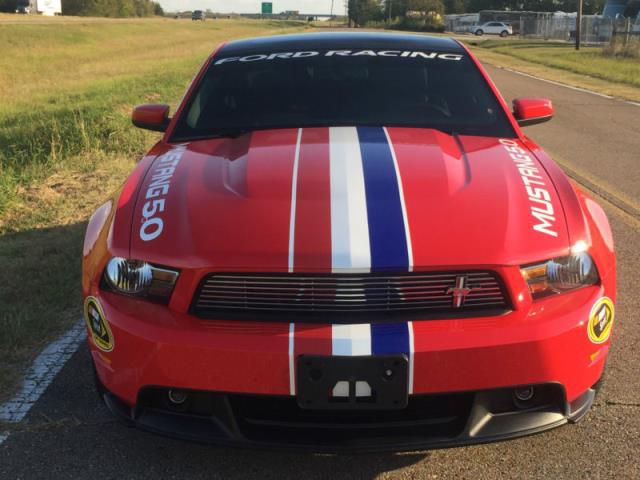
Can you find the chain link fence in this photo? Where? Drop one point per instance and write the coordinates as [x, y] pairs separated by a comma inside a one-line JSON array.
[[595, 29], [624, 42]]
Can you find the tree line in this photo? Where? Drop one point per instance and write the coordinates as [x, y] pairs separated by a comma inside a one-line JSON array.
[[111, 8], [426, 12], [97, 8]]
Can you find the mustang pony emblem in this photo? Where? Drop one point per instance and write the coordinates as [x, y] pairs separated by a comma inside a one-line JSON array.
[[460, 291]]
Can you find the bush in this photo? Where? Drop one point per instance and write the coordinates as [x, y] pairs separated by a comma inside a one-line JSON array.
[[620, 47], [427, 24]]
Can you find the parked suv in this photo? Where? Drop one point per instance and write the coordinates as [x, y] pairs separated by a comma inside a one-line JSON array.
[[198, 15], [494, 28]]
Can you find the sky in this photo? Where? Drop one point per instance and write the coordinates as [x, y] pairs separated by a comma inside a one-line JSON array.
[[253, 6]]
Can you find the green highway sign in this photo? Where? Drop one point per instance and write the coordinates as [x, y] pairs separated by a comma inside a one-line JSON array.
[[267, 8]]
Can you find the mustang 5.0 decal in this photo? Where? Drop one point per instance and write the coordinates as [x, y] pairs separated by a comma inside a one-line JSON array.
[[98, 325], [152, 222], [601, 320], [342, 53], [541, 207]]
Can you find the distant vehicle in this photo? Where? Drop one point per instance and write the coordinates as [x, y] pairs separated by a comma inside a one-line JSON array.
[[23, 10], [198, 15], [494, 28]]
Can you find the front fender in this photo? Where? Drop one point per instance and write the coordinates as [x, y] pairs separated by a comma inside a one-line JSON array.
[[108, 232], [602, 245]]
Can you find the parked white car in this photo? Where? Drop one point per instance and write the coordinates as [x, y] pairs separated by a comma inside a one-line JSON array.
[[493, 28]]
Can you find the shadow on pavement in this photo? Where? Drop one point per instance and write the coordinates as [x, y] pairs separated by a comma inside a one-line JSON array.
[[72, 434]]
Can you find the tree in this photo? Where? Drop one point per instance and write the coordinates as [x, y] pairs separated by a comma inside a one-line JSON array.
[[591, 7], [396, 8], [454, 6], [426, 7], [111, 8], [362, 11], [474, 6], [632, 9]]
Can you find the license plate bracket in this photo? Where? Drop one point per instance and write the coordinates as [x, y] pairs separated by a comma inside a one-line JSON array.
[[377, 382]]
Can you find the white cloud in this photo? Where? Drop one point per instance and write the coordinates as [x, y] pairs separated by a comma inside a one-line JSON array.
[[253, 6]]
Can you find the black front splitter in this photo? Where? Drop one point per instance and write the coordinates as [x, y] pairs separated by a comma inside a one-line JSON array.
[[492, 416]]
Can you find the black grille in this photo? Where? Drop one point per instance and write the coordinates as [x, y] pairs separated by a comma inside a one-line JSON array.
[[272, 419], [345, 297]]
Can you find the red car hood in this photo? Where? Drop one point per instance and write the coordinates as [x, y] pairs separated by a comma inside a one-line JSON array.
[[347, 199]]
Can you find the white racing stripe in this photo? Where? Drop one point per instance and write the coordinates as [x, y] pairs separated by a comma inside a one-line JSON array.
[[40, 374], [351, 340], [411, 355], [350, 250], [403, 205], [292, 366], [294, 195]]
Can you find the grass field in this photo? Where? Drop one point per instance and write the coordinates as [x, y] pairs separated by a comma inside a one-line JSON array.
[[67, 87], [589, 61]]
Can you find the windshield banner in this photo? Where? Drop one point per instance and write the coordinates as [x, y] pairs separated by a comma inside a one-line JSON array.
[[342, 53]]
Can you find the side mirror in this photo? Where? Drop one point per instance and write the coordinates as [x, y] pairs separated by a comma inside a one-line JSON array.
[[151, 117], [531, 111]]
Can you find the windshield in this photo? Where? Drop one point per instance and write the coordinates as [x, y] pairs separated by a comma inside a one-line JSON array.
[[444, 91]]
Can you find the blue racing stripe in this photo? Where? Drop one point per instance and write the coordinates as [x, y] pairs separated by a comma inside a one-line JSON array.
[[390, 338], [387, 237]]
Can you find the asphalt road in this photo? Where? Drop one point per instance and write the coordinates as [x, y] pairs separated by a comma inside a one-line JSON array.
[[69, 433]]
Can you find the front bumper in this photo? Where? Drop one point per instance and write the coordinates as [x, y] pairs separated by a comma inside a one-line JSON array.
[[542, 344], [429, 421]]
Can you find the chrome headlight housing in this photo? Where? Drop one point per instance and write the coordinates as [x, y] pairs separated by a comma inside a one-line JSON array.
[[138, 278], [560, 274]]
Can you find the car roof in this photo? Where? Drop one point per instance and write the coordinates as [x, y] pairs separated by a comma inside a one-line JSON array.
[[341, 40]]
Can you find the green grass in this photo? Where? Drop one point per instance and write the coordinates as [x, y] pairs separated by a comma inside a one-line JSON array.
[[66, 142], [587, 61]]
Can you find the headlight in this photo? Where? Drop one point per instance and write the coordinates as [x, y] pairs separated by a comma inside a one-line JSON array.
[[135, 277], [560, 274]]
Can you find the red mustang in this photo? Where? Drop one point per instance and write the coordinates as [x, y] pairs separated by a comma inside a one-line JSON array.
[[345, 241]]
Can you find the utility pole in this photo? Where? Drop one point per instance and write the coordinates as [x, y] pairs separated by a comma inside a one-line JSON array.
[[390, 7], [578, 24]]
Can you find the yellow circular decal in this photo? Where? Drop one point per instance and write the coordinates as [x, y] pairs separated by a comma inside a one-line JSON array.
[[601, 320], [97, 324]]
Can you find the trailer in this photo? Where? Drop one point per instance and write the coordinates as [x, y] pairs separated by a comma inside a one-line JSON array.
[[43, 7], [49, 7]]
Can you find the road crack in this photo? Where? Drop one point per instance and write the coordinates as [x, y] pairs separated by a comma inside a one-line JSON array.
[[614, 403]]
